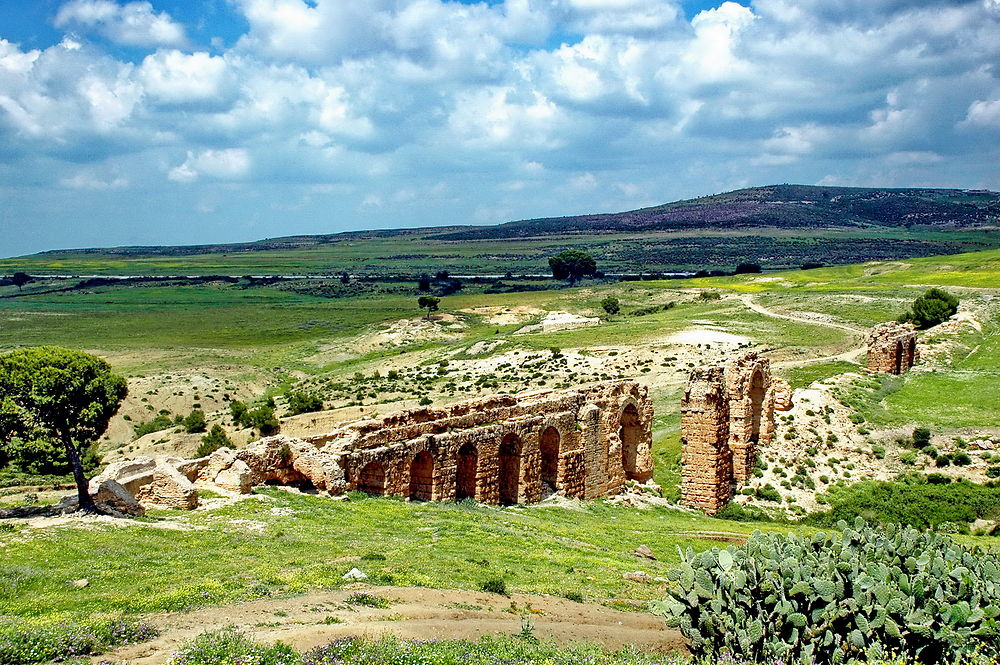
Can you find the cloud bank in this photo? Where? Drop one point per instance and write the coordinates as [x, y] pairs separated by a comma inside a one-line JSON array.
[[328, 115]]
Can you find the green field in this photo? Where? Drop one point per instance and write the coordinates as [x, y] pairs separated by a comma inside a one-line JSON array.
[[413, 252]]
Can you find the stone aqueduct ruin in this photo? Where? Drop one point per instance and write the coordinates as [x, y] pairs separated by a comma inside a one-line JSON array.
[[509, 449], [726, 415], [505, 449], [892, 348]]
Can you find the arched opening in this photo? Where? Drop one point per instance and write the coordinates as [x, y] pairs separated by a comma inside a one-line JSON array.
[[630, 433], [898, 358], [465, 475], [549, 445], [510, 469], [422, 477], [372, 479], [911, 353], [756, 405]]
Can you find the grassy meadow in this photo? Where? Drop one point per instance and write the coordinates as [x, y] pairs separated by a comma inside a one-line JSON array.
[[278, 543]]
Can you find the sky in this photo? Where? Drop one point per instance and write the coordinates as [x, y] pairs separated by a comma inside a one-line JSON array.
[[197, 121]]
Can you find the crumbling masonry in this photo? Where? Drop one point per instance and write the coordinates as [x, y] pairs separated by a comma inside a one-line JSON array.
[[892, 348], [505, 449], [726, 415]]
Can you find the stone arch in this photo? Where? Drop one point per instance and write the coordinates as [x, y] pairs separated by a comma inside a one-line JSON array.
[[510, 469], [911, 353], [549, 446], [897, 357], [371, 480], [466, 472], [757, 393], [422, 477], [630, 435]]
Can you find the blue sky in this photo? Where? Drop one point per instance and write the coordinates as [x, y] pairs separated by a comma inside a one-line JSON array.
[[178, 122]]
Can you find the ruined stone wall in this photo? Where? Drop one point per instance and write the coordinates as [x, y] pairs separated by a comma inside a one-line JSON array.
[[892, 348], [504, 449], [727, 414]]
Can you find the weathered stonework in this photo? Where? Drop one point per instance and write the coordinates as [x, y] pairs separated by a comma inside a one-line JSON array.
[[892, 348], [503, 449], [726, 415]]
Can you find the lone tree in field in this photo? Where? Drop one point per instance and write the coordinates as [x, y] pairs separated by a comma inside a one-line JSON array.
[[430, 303], [67, 396], [20, 279], [611, 306], [572, 265], [930, 309]]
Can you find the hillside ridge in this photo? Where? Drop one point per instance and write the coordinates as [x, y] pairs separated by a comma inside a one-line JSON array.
[[772, 206]]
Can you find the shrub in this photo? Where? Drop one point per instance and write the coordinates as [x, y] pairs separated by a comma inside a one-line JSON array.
[[611, 306], [30, 641], [239, 411], [367, 600], [932, 308], [195, 422], [495, 585], [215, 439], [869, 591], [303, 402], [921, 437], [768, 493], [961, 459], [229, 645], [262, 418], [910, 500], [161, 422]]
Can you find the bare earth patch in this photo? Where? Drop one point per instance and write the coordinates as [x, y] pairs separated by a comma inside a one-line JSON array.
[[415, 613]]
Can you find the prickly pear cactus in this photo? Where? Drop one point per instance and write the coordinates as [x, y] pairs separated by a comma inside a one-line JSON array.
[[830, 598]]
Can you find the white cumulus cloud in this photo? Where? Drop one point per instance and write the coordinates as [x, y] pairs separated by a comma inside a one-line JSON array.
[[226, 164], [131, 24]]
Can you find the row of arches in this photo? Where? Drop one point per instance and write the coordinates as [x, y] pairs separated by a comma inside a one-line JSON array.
[[471, 475]]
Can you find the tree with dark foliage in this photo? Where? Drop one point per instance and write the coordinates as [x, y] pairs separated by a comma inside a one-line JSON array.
[[430, 303], [572, 265], [68, 396], [930, 309], [20, 279]]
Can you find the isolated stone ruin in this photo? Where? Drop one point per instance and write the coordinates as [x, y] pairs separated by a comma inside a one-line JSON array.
[[892, 348], [727, 414], [505, 449]]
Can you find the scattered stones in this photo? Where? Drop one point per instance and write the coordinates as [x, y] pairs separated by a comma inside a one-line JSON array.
[[644, 552], [355, 575], [639, 576], [80, 584]]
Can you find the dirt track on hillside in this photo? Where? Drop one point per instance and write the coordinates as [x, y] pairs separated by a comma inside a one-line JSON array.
[[415, 613]]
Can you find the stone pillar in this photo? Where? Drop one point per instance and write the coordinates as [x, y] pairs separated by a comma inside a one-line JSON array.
[[706, 458], [595, 452]]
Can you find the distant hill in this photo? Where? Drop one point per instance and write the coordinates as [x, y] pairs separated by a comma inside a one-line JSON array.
[[780, 226], [776, 206]]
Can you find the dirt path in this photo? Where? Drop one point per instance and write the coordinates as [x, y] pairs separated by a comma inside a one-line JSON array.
[[852, 355], [414, 613]]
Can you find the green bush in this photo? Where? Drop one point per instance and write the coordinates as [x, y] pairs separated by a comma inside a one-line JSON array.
[[262, 418], [921, 437], [910, 500], [869, 591], [240, 412], [367, 600], [932, 308], [495, 585], [215, 439], [303, 402], [229, 646], [159, 423], [30, 641], [195, 422]]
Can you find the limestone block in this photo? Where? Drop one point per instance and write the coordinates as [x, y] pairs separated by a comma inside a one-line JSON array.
[[169, 489], [111, 494]]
